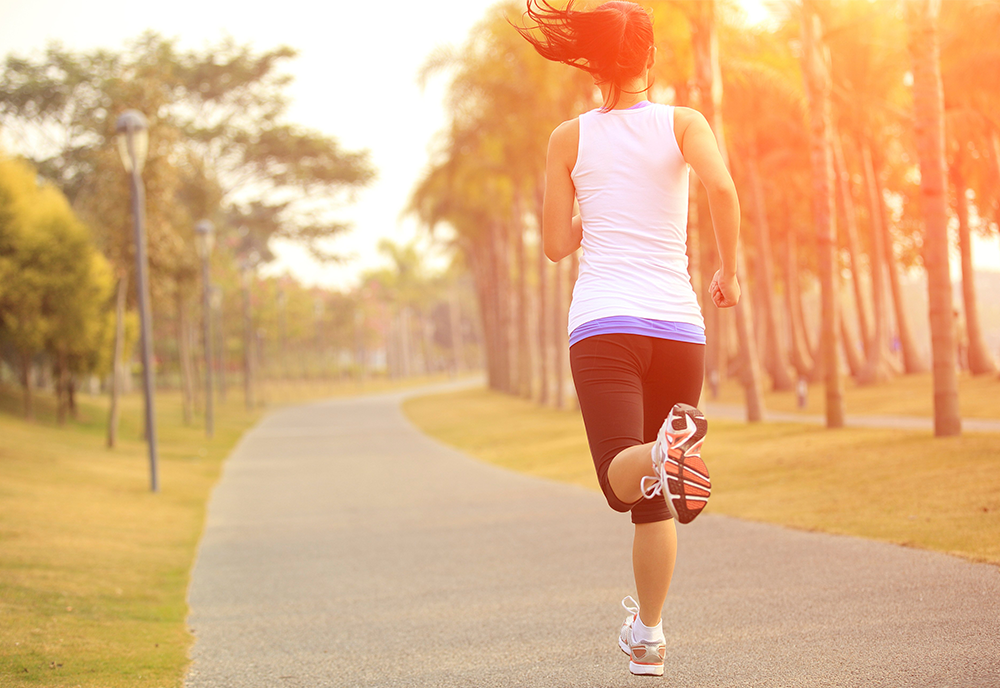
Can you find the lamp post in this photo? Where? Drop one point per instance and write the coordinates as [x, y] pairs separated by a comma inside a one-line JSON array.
[[132, 132], [204, 234]]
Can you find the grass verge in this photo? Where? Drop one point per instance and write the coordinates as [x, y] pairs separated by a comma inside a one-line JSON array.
[[897, 486], [905, 395], [94, 568]]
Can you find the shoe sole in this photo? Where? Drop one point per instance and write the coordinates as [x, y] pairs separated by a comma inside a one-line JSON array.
[[645, 669], [688, 490]]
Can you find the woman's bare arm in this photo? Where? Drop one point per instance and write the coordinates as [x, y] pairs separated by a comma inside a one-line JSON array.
[[561, 230], [701, 150]]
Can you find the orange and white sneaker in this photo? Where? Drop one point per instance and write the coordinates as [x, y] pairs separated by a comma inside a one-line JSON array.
[[681, 475], [645, 659]]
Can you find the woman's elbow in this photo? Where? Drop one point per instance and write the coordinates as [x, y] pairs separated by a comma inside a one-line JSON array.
[[553, 250]]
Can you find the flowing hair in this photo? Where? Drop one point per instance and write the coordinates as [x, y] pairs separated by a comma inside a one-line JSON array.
[[611, 41]]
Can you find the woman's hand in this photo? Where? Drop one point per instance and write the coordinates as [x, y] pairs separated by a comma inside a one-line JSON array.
[[725, 291]]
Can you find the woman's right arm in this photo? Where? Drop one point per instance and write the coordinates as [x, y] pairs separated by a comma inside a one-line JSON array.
[[561, 230], [701, 151]]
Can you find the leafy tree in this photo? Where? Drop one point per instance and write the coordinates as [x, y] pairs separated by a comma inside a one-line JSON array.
[[56, 285]]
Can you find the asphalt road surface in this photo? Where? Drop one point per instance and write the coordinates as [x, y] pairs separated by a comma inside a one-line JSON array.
[[344, 548]]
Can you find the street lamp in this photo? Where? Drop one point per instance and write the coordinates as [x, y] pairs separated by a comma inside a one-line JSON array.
[[204, 234], [133, 141]]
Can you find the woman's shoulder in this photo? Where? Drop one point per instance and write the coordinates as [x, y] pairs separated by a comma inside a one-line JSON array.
[[566, 135]]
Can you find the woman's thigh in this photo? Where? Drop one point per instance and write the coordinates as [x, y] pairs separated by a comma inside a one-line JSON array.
[[608, 371]]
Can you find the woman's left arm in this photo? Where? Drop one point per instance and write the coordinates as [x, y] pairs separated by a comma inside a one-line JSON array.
[[561, 230]]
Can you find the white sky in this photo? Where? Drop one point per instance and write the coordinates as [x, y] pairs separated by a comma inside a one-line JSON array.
[[355, 79]]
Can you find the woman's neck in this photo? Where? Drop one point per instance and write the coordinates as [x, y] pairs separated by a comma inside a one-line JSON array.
[[633, 91]]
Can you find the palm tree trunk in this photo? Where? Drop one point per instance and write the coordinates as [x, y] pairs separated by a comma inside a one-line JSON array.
[[801, 357], [543, 310], [523, 340], [705, 46], [558, 335], [928, 105], [877, 366], [980, 360], [574, 274], [776, 358], [116, 360], [715, 350], [455, 325], [852, 352], [816, 66], [913, 362], [851, 235]]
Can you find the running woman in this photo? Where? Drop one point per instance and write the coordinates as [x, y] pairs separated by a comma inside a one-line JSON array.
[[637, 336]]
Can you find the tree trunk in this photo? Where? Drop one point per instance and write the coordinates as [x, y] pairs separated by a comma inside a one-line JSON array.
[[116, 361], [776, 358], [71, 398], [816, 68], [749, 365], [248, 380], [543, 310], [928, 105], [455, 325], [705, 46], [524, 365], [980, 360], [184, 356], [851, 236], [801, 357], [558, 335], [28, 385], [62, 387], [877, 367], [913, 362], [852, 352], [220, 339], [574, 274]]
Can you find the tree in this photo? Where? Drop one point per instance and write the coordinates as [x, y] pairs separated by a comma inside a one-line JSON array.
[[219, 147], [55, 285], [815, 68], [928, 105]]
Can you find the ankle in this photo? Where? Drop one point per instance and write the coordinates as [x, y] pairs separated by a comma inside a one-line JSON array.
[[647, 633]]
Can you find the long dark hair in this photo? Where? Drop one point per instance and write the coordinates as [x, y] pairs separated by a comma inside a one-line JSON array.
[[611, 41]]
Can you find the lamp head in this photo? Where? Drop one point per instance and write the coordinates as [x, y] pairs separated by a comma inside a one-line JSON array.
[[132, 132]]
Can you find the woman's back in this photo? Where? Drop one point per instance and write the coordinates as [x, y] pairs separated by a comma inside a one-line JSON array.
[[632, 186]]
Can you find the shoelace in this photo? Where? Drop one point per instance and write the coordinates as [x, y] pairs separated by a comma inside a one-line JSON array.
[[655, 486], [633, 608]]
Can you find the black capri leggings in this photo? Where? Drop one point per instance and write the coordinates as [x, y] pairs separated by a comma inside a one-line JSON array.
[[627, 384]]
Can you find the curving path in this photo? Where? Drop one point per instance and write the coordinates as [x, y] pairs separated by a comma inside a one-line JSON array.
[[344, 548]]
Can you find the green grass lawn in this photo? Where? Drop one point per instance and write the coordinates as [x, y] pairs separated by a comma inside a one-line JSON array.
[[94, 568], [897, 486], [905, 395]]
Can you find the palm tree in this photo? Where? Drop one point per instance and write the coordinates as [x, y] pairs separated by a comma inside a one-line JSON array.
[[816, 70], [705, 47], [928, 105]]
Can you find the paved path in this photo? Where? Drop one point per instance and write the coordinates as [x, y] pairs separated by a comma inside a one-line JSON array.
[[738, 412], [344, 548]]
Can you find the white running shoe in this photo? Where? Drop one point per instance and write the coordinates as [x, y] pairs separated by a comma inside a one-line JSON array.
[[681, 475], [645, 659]]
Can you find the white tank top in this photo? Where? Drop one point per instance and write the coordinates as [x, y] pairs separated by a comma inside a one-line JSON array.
[[632, 186]]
